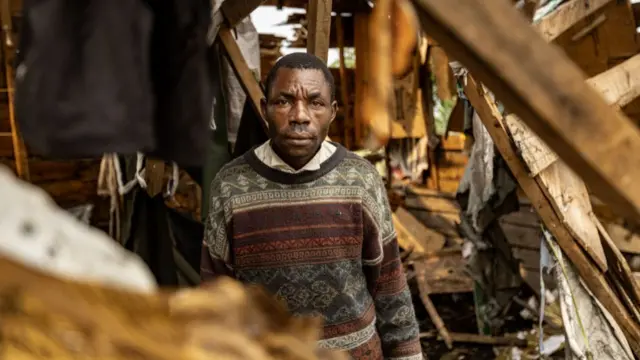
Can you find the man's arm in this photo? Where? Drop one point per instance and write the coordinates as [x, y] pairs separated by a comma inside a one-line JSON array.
[[396, 320], [215, 259]]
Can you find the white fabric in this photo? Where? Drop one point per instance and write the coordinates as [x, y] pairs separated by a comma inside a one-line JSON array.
[[269, 157], [590, 330], [247, 38], [39, 234]]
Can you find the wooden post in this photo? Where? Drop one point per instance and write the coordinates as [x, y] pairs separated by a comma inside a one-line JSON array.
[[319, 28], [546, 90], [361, 41], [344, 86]]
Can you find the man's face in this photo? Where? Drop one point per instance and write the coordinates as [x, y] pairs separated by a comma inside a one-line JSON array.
[[299, 110]]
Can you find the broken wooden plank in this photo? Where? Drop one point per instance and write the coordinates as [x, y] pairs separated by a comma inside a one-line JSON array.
[[318, 28], [546, 90], [620, 268], [590, 274], [423, 289], [566, 16], [620, 85], [245, 75], [444, 273], [570, 200], [423, 239]]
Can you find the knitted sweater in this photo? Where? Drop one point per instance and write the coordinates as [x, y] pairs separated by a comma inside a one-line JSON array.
[[323, 241]]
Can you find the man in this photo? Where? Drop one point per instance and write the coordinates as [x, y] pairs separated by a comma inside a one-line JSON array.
[[310, 221]]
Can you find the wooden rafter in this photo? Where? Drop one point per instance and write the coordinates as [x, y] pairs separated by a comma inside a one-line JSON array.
[[540, 84], [566, 16]]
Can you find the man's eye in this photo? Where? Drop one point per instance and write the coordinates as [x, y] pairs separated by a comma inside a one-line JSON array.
[[316, 103], [281, 102]]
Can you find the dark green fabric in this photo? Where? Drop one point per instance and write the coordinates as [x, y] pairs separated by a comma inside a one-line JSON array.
[[218, 152]]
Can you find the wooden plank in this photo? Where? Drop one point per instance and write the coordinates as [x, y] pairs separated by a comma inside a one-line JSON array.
[[570, 200], [245, 75], [445, 273], [624, 239], [566, 16], [318, 28], [361, 41], [376, 92], [620, 85], [620, 269], [547, 92], [344, 89], [536, 154], [423, 239], [589, 273]]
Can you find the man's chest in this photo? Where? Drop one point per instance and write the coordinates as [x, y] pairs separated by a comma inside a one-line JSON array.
[[290, 232]]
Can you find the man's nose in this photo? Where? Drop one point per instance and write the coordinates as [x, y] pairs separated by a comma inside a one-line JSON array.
[[300, 113]]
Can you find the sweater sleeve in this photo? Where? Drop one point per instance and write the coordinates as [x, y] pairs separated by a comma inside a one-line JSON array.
[[216, 259], [395, 316]]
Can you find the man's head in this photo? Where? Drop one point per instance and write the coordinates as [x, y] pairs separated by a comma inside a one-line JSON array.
[[299, 107]]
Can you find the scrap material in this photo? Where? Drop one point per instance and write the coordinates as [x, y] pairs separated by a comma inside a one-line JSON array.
[[540, 84]]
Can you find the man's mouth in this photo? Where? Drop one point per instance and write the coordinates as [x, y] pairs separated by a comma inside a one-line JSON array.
[[298, 141]]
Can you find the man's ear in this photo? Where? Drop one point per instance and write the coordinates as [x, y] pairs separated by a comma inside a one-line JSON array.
[[263, 107], [334, 110]]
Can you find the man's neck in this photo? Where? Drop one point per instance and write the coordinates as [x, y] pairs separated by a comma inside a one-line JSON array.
[[296, 163]]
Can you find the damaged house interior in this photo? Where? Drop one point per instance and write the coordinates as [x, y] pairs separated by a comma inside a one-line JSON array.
[[506, 134]]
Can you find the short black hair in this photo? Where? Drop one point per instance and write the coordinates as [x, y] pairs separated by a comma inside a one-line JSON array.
[[301, 60]]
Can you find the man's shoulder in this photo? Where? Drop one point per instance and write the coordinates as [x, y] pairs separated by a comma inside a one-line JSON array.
[[355, 163], [233, 168]]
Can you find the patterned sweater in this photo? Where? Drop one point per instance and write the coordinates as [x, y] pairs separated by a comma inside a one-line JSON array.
[[323, 241]]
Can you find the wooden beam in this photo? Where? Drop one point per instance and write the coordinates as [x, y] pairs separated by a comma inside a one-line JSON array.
[[546, 90], [566, 16], [620, 85], [344, 86], [319, 28], [378, 89], [245, 75], [587, 270], [415, 235]]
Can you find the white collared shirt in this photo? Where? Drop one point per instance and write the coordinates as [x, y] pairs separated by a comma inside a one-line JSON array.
[[269, 157]]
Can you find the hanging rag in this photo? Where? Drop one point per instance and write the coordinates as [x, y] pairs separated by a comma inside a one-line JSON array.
[[135, 81]]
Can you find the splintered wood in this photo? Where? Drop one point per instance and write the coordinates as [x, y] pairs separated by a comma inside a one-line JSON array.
[[45, 317], [547, 91]]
